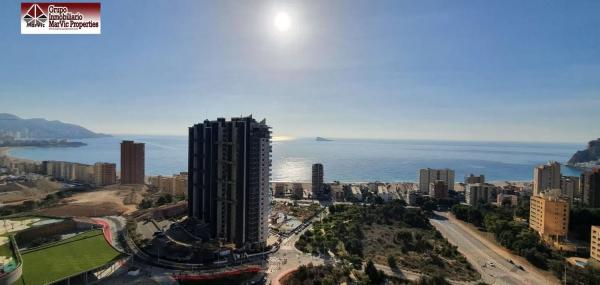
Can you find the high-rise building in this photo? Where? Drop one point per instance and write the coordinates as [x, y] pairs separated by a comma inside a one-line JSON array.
[[317, 180], [229, 167], [105, 173], [589, 185], [595, 243], [132, 163], [472, 179], [480, 193], [546, 177], [549, 215], [428, 176], [569, 187], [438, 189]]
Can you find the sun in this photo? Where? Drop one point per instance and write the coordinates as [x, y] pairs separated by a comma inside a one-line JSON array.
[[282, 22]]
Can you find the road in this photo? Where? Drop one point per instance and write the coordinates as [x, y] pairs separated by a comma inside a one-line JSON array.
[[288, 258], [480, 253]]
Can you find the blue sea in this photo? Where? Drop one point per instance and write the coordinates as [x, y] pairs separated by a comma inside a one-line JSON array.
[[347, 160]]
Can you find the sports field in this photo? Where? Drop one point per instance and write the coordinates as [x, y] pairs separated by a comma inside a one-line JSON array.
[[68, 257]]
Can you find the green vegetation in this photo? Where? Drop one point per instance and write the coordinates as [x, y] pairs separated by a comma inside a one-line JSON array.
[[520, 239], [355, 233], [163, 199], [68, 257], [317, 275], [581, 221], [514, 235]]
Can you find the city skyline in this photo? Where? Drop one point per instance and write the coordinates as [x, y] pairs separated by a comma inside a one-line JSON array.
[[504, 71]]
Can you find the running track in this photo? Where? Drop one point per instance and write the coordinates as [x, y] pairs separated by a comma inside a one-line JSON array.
[[105, 229]]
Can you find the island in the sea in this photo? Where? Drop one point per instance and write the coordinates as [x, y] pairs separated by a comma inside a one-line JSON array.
[[588, 157], [321, 139]]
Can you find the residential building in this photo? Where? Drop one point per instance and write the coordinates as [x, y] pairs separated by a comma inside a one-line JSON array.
[[569, 187], [317, 180], [280, 189], [589, 186], [229, 172], [386, 194], [412, 197], [105, 173], [69, 171], [546, 177], [356, 192], [428, 176], [438, 189], [297, 190], [507, 199], [549, 215], [337, 192], [480, 193], [472, 179], [175, 185], [595, 244], [132, 163]]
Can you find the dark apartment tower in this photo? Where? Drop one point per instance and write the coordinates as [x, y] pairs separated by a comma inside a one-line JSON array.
[[317, 180], [229, 168], [472, 179], [589, 185], [132, 162]]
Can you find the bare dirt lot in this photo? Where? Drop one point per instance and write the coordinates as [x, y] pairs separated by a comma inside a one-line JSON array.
[[105, 201], [17, 192]]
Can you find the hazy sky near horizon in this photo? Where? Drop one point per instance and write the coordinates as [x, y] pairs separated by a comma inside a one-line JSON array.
[[459, 70]]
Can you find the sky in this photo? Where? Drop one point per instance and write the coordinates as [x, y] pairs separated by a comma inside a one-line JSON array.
[[443, 70]]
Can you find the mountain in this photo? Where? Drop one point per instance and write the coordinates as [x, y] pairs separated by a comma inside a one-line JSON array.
[[592, 153], [13, 126]]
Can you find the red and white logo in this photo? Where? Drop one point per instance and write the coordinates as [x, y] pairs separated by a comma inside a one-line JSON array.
[[35, 17], [60, 18]]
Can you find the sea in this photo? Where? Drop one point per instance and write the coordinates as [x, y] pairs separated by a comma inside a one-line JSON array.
[[346, 160]]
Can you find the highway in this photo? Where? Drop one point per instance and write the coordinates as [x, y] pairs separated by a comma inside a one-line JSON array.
[[491, 261]]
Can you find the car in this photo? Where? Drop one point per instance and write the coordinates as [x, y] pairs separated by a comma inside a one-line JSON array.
[[492, 264]]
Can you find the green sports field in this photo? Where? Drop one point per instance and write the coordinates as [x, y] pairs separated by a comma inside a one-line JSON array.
[[65, 258]]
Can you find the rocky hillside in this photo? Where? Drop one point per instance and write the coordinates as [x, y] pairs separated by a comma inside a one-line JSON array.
[[13, 126], [592, 153]]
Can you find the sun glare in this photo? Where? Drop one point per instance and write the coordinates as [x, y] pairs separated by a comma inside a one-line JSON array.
[[282, 22]]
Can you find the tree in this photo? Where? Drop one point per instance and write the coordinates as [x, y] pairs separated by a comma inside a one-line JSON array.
[[429, 206], [145, 204], [392, 262], [375, 276]]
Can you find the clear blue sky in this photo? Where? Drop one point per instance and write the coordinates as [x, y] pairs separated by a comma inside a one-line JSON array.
[[461, 70]]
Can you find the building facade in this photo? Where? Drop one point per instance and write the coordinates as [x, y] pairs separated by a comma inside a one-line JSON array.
[[428, 176], [438, 189], [176, 185], [317, 180], [132, 163], [595, 243], [549, 216], [546, 177], [589, 185], [480, 193], [69, 171], [105, 173], [472, 179], [229, 169], [569, 187]]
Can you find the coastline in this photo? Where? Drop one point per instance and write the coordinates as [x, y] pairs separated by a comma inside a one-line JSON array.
[[5, 151]]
